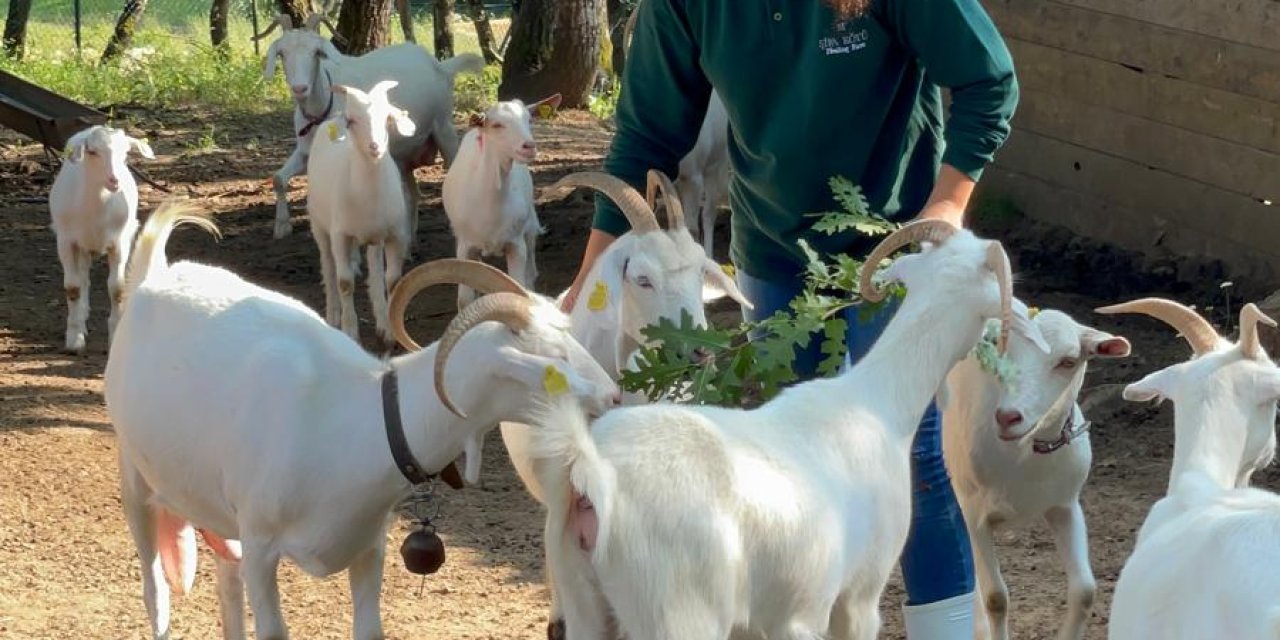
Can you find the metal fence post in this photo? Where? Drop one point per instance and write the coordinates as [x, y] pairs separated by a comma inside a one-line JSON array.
[[77, 21], [253, 17]]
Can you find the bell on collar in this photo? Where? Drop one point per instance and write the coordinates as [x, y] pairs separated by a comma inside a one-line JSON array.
[[422, 552]]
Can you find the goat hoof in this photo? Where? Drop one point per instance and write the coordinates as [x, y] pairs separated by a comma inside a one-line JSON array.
[[283, 229], [555, 630], [74, 345]]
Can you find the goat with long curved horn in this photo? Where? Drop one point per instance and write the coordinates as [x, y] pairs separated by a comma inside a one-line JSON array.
[[283, 20], [629, 200], [506, 302], [1200, 335], [920, 231]]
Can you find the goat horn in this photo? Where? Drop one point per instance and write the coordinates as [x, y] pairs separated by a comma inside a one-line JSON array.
[[476, 275], [281, 20], [313, 21], [630, 26], [512, 309], [1199, 333], [675, 210], [1250, 316], [998, 262], [918, 231], [332, 29], [627, 198]]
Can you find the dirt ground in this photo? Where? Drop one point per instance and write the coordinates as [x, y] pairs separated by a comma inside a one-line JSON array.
[[67, 565]]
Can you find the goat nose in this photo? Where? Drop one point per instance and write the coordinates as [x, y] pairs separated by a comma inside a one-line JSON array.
[[113, 183], [1007, 418], [299, 88], [616, 398], [701, 355], [374, 148]]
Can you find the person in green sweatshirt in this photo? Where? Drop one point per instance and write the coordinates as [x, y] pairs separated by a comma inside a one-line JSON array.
[[816, 89]]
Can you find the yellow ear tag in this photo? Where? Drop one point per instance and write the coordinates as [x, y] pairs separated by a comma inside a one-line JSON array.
[[1032, 312], [599, 297], [728, 270], [333, 132], [545, 111], [554, 382], [66, 152]]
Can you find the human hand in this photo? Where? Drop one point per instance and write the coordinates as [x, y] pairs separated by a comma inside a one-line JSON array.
[[944, 210], [571, 296]]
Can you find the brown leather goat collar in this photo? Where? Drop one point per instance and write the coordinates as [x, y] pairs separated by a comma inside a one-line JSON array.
[[314, 121], [1070, 431], [405, 460]]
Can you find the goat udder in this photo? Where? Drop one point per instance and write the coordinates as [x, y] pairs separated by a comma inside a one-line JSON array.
[[176, 543], [226, 549], [583, 524]]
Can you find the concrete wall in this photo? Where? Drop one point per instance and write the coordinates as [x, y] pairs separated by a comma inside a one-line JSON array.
[[1154, 123]]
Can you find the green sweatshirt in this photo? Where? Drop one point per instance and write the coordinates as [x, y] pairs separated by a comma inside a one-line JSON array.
[[809, 97]]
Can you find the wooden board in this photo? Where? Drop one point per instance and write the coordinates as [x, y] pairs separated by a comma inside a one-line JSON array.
[[1171, 201], [1251, 22], [1197, 59], [1227, 165], [1213, 112], [1095, 217], [40, 114]]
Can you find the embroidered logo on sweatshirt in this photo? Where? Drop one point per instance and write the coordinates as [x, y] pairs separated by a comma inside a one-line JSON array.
[[844, 40]]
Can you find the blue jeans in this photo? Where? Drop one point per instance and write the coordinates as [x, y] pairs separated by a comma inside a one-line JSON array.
[[937, 562]]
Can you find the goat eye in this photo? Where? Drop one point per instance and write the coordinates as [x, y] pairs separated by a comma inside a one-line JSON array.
[[1067, 363], [91, 152], [351, 122], [644, 282], [498, 125]]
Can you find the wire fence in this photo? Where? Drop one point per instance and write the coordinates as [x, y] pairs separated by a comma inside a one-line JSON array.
[[83, 27]]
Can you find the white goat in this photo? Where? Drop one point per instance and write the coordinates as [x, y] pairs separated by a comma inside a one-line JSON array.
[[241, 414], [356, 198], [1206, 564], [1021, 454], [93, 204], [488, 191], [312, 65], [703, 182], [785, 520]]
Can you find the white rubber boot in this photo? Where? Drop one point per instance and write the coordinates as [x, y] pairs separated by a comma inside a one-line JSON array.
[[950, 619]]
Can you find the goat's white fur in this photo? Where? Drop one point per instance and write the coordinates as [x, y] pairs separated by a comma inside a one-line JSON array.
[[240, 413], [703, 180], [312, 65], [356, 198], [1001, 482], [93, 204], [784, 520], [488, 193], [1206, 564]]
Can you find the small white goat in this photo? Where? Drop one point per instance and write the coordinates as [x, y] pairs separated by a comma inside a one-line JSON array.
[[704, 174], [312, 65], [94, 207], [488, 191], [1022, 454], [784, 520], [242, 415], [356, 198], [1206, 563]]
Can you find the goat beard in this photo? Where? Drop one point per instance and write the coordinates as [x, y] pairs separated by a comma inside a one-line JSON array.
[[847, 9]]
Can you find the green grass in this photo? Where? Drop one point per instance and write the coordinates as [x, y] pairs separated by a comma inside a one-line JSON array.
[[173, 64]]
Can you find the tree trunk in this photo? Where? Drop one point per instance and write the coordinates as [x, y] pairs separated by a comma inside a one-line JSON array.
[[406, 20], [122, 37], [297, 10], [363, 26], [484, 31], [218, 26], [442, 24], [555, 48], [619, 11], [15, 28]]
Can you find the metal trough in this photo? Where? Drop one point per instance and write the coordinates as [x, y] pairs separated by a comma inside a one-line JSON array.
[[42, 115]]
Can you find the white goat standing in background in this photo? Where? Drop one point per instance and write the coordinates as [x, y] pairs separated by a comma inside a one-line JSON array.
[[1206, 563], [312, 65], [1021, 454], [93, 204], [787, 519], [488, 191], [356, 198], [242, 415], [704, 174]]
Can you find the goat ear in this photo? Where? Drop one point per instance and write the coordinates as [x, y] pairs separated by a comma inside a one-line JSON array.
[[718, 284], [1100, 344], [142, 148], [328, 51], [403, 123], [1155, 386], [540, 374], [1269, 382], [473, 449], [1026, 327], [269, 65], [546, 107], [383, 87]]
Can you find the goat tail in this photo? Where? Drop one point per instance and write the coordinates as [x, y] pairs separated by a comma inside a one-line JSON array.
[[149, 254], [568, 464], [463, 63]]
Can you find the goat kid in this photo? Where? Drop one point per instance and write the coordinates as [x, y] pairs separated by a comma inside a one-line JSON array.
[[488, 191], [1023, 453], [357, 199], [1205, 564], [93, 204], [686, 520], [234, 405], [312, 66]]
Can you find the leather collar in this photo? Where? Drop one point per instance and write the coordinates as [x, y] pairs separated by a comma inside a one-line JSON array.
[[406, 463], [314, 121], [1070, 431]]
